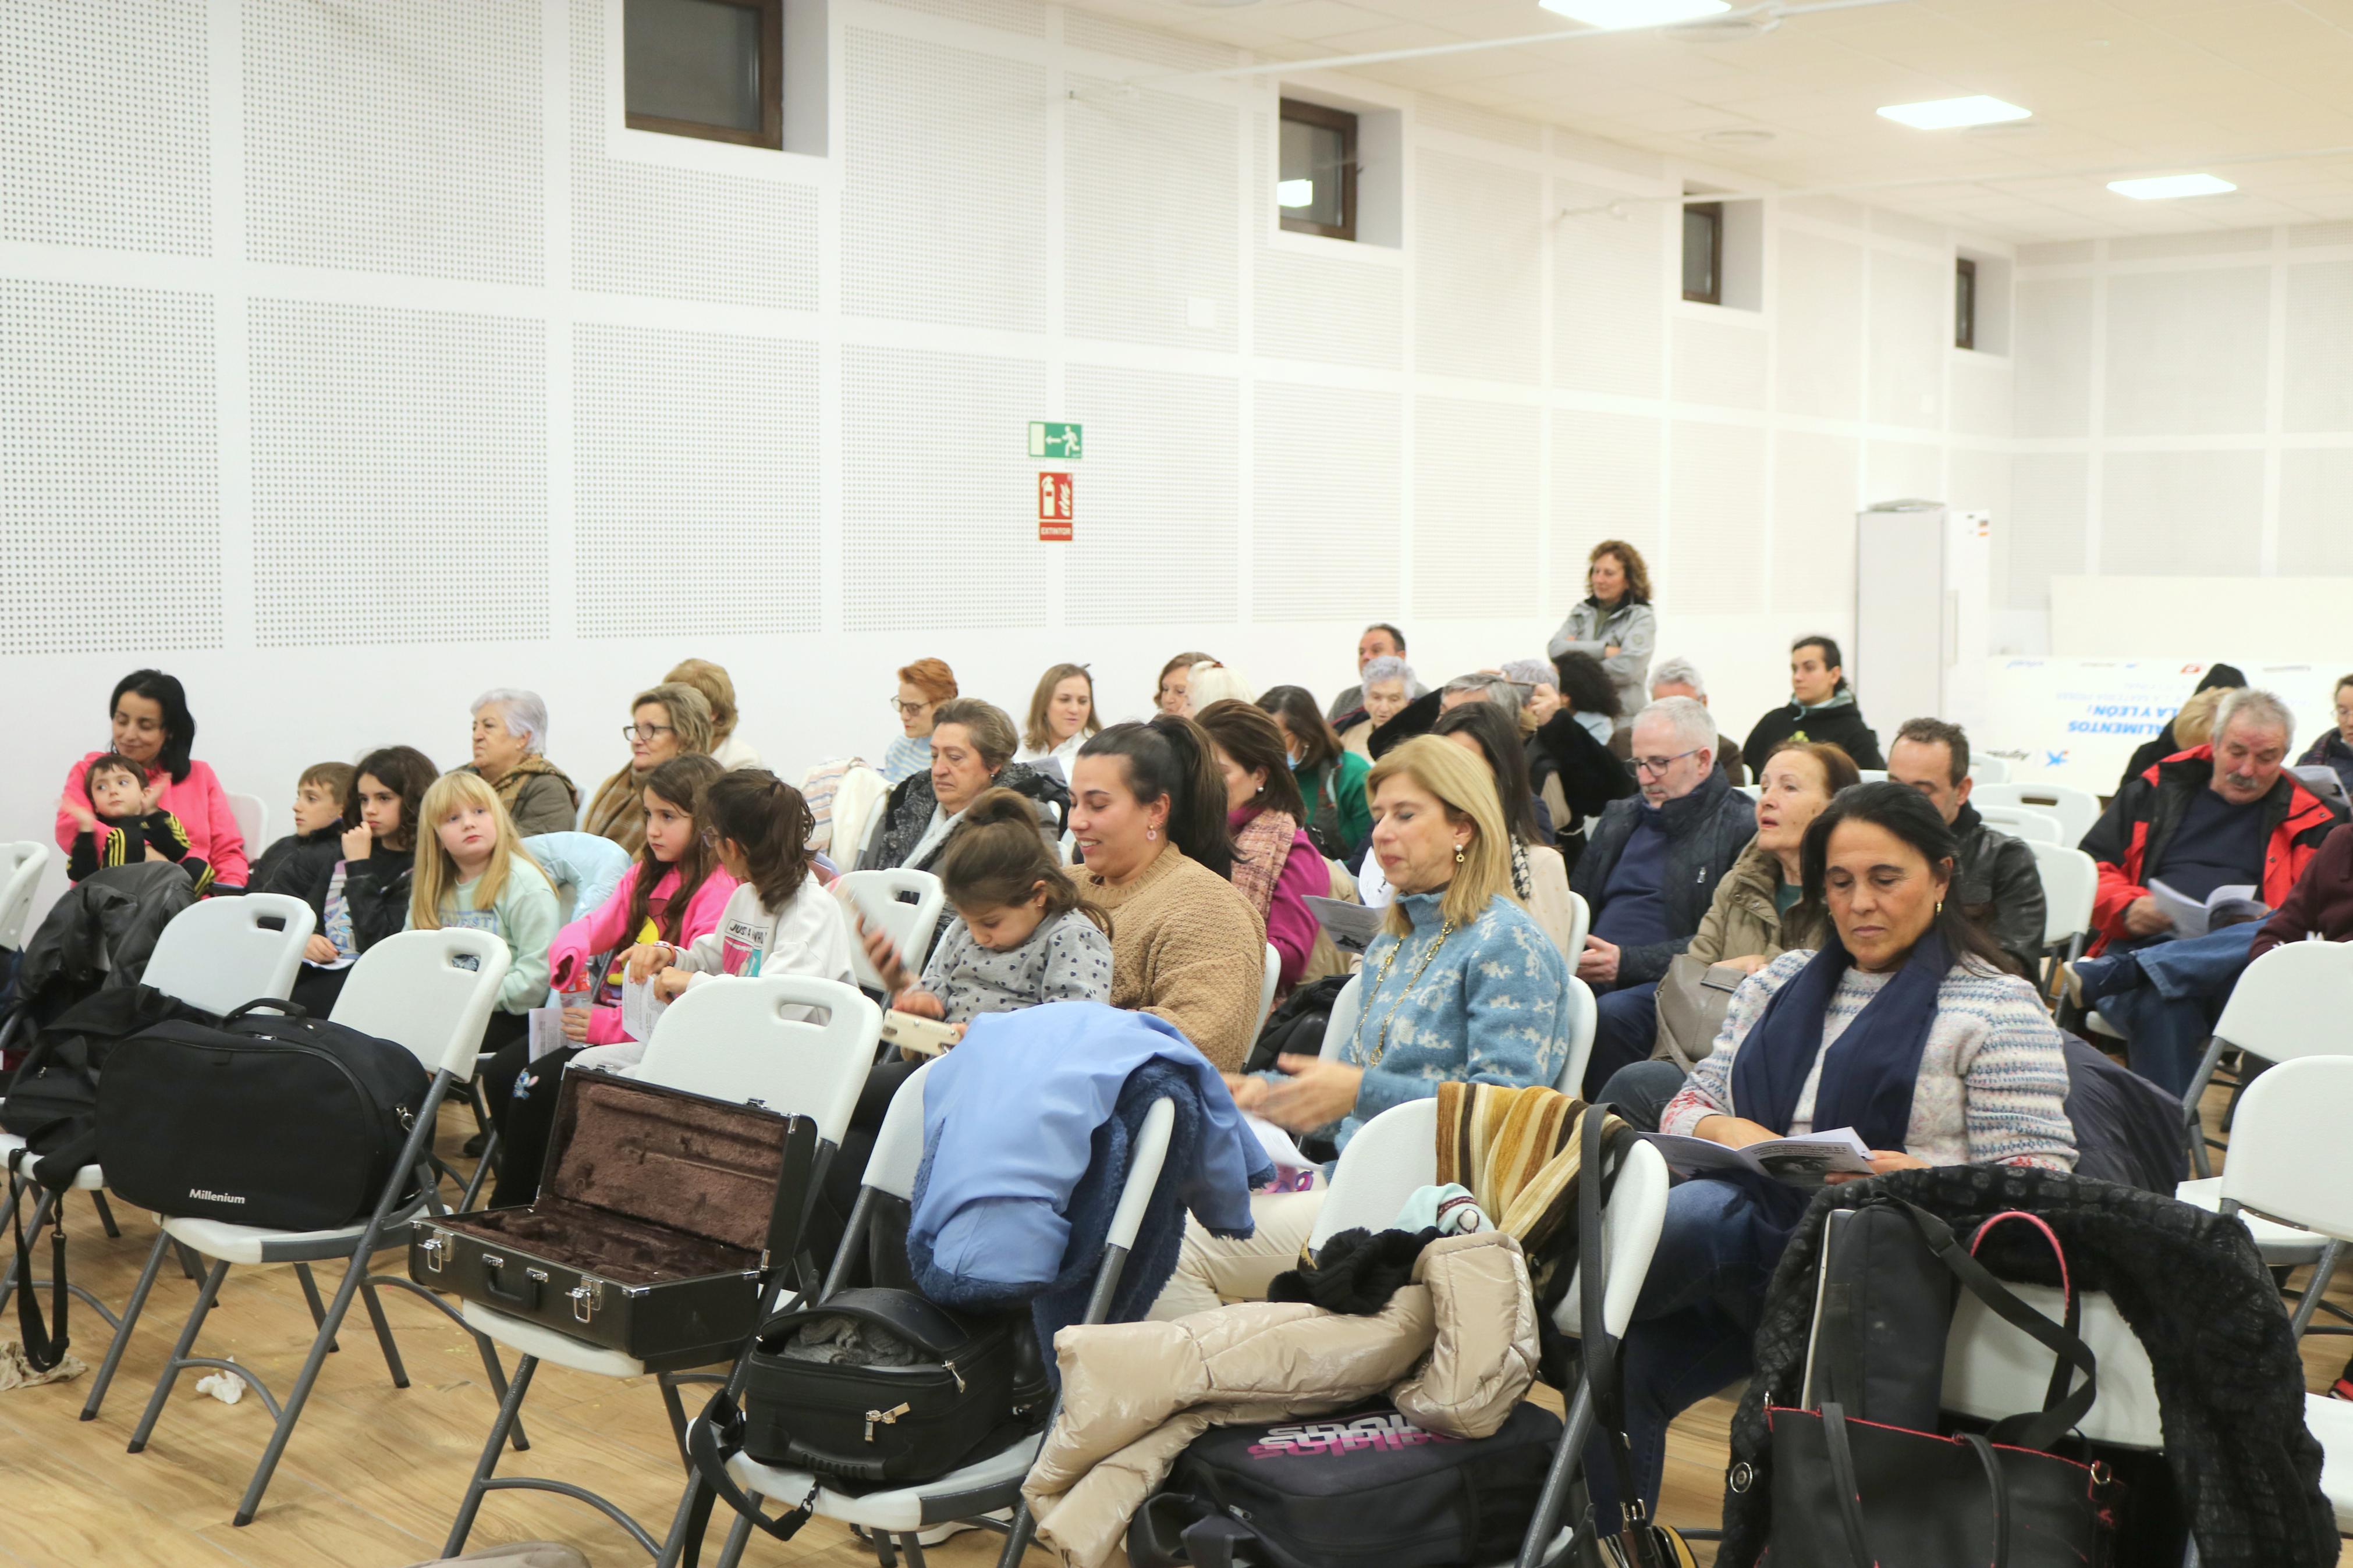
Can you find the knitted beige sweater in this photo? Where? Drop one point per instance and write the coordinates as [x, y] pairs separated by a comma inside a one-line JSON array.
[[1186, 946]]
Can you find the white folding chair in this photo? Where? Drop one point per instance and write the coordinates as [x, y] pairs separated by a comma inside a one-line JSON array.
[[1268, 983], [1341, 1026], [2069, 879], [987, 1485], [252, 816], [1988, 770], [754, 1041], [218, 954], [1872, 775], [21, 865], [906, 905], [1584, 1015], [1753, 792], [2289, 1179], [1397, 1152], [2025, 822], [2290, 1004], [1580, 927], [2076, 809], [431, 991]]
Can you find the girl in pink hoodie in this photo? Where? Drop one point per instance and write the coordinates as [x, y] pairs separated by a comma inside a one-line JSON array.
[[673, 893]]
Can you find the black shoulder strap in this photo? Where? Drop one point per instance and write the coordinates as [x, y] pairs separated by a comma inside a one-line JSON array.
[[42, 1352], [2061, 1409], [718, 1437], [1603, 1374]]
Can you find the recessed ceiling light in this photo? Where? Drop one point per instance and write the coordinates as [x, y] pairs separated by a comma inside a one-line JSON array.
[[2166, 187], [1738, 136], [1616, 14], [1951, 113]]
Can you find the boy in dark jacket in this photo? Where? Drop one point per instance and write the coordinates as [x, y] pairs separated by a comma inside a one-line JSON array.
[[127, 827], [302, 863]]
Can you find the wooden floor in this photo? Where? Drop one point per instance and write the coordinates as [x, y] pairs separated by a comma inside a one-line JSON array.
[[374, 1474]]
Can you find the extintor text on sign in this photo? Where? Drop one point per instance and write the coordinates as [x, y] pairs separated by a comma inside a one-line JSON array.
[[1057, 507]]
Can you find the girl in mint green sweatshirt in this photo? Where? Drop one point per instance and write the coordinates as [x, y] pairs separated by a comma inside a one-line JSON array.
[[473, 871]]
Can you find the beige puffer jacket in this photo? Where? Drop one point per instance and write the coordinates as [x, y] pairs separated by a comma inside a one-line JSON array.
[[1456, 1349]]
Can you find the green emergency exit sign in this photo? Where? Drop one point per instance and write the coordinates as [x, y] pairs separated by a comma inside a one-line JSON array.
[[1051, 438]]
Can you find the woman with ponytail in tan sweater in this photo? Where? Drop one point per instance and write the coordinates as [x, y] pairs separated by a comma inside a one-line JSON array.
[[1149, 818]]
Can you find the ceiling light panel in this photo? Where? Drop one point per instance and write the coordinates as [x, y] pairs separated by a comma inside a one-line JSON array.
[[2168, 188], [1952, 113], [1614, 14]]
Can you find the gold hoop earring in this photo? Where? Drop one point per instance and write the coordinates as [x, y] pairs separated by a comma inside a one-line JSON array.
[[1458, 854], [1940, 906]]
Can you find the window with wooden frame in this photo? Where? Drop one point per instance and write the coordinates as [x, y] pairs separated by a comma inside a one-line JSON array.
[[1315, 180], [1704, 252], [713, 69], [1965, 304]]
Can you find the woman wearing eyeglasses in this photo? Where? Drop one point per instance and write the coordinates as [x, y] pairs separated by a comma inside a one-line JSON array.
[[922, 687], [672, 720]]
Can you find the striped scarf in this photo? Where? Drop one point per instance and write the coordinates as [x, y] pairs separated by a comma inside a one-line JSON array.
[[1262, 847], [1516, 1150]]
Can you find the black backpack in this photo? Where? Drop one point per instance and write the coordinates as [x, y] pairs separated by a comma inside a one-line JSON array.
[[1364, 1488], [271, 1118], [1296, 1028]]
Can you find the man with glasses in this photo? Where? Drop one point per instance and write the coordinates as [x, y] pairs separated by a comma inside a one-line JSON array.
[[2219, 815], [1648, 872]]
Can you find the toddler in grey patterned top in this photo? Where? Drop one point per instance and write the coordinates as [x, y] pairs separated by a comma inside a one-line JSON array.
[[1018, 937]]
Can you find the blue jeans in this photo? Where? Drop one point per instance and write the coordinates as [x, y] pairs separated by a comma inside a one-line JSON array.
[[2168, 1018], [1625, 1028], [1692, 1328]]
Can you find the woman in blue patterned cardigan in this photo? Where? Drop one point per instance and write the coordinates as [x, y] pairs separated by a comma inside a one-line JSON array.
[[1461, 985]]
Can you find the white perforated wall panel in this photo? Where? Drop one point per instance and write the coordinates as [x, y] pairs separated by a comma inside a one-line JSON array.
[[2050, 504], [1605, 485], [2154, 246], [1911, 332], [702, 448], [666, 232], [1813, 523], [1158, 485], [944, 185], [1326, 466], [2311, 234], [109, 442], [1107, 36], [1903, 470], [1830, 209], [937, 488], [2056, 253], [2316, 513], [1903, 225], [2169, 514], [2186, 352], [1475, 498], [104, 128], [1478, 236], [1978, 480], [1981, 386], [1610, 294], [1151, 222], [414, 442], [1716, 499], [1820, 287], [2054, 352], [395, 138], [1340, 303], [1720, 363], [1006, 15], [1446, 115], [2318, 390]]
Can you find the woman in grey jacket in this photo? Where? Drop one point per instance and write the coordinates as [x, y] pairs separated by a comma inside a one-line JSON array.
[[1616, 624]]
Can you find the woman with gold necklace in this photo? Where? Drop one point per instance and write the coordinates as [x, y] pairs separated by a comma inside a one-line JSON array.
[[1461, 985]]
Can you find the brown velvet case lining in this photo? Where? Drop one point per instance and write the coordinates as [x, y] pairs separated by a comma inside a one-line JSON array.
[[649, 1184]]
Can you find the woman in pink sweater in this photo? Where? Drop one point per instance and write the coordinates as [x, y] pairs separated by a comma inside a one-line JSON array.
[[152, 725], [673, 893], [1275, 867]]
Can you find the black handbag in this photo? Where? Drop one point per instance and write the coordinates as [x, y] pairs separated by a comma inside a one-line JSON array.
[[1362, 1488], [268, 1118], [1849, 1492]]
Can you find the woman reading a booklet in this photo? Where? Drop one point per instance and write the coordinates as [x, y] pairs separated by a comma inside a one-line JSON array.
[[1906, 1027]]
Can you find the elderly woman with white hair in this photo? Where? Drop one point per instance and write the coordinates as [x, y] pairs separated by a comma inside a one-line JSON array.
[[1389, 685], [510, 734]]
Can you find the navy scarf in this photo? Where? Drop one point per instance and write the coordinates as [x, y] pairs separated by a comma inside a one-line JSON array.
[[1868, 1076]]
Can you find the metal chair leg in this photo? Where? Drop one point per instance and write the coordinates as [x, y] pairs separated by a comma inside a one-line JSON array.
[[2315, 1288], [138, 1304], [354, 1273], [106, 1217], [737, 1539], [1574, 1432], [384, 1336], [191, 1264], [677, 1418], [172, 1368], [310, 1294], [463, 1525]]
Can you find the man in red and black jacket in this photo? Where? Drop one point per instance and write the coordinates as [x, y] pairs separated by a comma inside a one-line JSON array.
[[2213, 817]]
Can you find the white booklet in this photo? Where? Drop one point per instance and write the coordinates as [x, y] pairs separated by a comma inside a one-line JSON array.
[[639, 1009], [2191, 918], [1353, 926], [2322, 780], [1799, 1161]]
